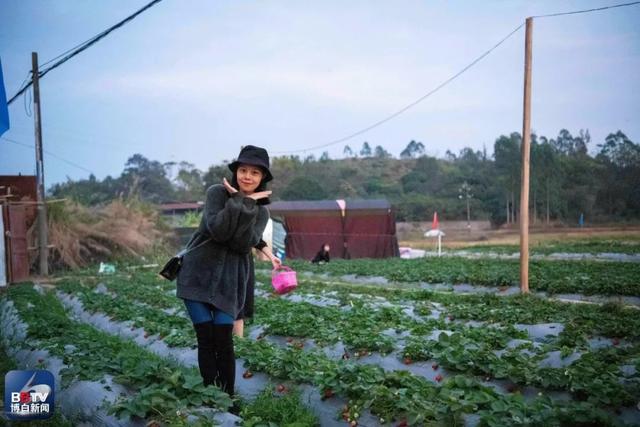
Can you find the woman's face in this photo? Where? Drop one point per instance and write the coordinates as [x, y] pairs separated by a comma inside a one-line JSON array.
[[249, 178]]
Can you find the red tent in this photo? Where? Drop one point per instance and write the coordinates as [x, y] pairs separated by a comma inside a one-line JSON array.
[[364, 229]]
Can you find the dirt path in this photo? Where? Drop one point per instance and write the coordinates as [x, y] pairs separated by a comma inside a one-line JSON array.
[[457, 235]]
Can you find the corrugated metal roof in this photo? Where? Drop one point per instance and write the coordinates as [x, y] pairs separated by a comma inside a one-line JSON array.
[[304, 205], [181, 206], [327, 205]]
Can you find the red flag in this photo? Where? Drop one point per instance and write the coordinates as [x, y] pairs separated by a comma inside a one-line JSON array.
[[435, 225]]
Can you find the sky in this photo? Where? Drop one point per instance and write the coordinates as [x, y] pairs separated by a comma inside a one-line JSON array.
[[194, 80]]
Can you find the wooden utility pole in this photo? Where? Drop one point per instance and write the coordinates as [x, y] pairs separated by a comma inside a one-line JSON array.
[[526, 142], [42, 207]]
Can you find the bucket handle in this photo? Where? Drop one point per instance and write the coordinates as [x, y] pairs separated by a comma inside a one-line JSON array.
[[282, 267]]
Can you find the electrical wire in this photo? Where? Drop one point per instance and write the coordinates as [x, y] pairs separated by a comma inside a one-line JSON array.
[[407, 107], [49, 153], [597, 9], [422, 98], [82, 47]]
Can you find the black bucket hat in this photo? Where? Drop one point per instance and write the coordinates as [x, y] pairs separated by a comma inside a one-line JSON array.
[[254, 156]]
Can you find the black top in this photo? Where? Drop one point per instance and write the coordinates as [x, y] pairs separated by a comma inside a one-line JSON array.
[[321, 256]]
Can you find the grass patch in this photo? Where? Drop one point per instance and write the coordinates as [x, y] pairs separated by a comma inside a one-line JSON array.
[[278, 409]]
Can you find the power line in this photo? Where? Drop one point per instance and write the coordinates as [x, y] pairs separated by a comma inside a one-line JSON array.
[[407, 107], [402, 110], [597, 9], [67, 55], [69, 162]]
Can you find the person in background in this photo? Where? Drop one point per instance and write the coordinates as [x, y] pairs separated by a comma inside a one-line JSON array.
[[247, 311], [323, 254]]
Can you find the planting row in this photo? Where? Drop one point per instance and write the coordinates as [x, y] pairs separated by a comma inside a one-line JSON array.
[[586, 277], [581, 321], [594, 247]]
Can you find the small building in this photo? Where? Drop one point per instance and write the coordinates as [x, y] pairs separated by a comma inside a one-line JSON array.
[[18, 208], [175, 213], [353, 228]]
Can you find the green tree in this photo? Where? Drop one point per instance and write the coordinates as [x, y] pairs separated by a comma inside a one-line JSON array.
[[366, 150], [412, 150], [381, 153], [348, 152], [508, 163], [619, 177], [189, 182], [147, 179], [304, 188]]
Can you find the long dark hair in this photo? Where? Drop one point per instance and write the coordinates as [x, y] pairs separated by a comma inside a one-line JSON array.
[[261, 187]]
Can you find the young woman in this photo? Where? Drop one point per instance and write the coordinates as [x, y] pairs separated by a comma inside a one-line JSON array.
[[213, 278]]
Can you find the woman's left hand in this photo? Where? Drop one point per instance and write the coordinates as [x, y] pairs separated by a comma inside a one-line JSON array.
[[228, 186]]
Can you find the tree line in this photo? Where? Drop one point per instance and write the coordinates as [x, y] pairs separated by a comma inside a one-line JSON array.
[[568, 179]]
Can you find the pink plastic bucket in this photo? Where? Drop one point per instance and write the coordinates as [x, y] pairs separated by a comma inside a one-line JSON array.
[[283, 280]]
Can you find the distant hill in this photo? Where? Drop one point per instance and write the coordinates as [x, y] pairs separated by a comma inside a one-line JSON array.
[[566, 180]]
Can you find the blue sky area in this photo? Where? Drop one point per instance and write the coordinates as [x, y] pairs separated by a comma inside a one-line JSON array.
[[194, 80]]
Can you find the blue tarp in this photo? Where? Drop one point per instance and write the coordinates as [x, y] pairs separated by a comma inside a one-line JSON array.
[[4, 108]]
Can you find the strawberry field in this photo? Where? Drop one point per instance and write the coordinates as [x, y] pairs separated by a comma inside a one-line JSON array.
[[399, 342]]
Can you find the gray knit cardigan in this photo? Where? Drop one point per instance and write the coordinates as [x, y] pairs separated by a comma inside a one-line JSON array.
[[218, 271]]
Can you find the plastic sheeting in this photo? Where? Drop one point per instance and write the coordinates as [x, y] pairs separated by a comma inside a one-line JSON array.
[[82, 401]]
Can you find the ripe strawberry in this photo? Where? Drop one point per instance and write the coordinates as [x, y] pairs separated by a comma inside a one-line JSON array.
[[402, 423], [407, 361], [438, 377], [299, 345], [281, 388], [289, 340], [247, 374], [434, 366], [328, 393]]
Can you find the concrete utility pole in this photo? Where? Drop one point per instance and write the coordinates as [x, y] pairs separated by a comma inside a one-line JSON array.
[[526, 142], [42, 207]]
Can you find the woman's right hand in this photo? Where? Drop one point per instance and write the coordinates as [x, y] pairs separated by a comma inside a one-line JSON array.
[[275, 262], [260, 195]]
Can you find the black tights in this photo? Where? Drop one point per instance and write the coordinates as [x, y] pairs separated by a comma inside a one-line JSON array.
[[216, 356]]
